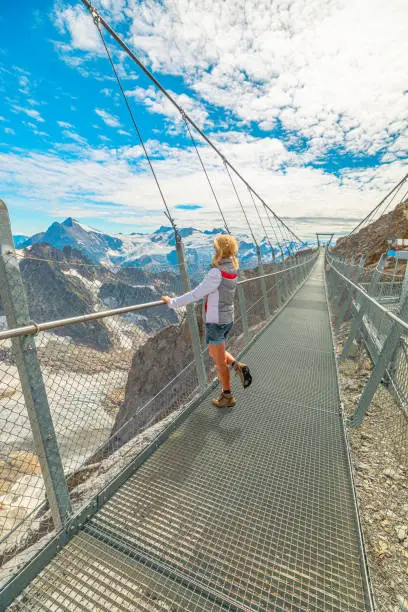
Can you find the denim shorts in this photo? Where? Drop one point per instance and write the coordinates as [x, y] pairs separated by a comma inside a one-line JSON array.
[[216, 333]]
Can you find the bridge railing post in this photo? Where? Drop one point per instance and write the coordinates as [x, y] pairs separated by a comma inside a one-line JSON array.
[[263, 283], [191, 316], [388, 350], [404, 288], [284, 280], [296, 270], [357, 321], [393, 364], [355, 277], [242, 307], [278, 282], [343, 293], [14, 301], [292, 274], [289, 264]]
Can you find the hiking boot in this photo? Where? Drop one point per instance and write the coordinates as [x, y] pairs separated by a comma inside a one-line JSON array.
[[242, 370], [224, 400]]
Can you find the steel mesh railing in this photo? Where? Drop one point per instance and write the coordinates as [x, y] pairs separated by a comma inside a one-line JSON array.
[[377, 320], [112, 383]]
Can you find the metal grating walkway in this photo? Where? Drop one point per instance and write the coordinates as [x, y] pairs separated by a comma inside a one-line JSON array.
[[243, 509]]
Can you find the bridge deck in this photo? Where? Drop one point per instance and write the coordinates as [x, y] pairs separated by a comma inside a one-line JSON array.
[[250, 508]]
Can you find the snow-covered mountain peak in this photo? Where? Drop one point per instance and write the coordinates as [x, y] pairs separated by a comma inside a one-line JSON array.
[[138, 249]]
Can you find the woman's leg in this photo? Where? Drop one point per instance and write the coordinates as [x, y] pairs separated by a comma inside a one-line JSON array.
[[230, 359], [217, 352]]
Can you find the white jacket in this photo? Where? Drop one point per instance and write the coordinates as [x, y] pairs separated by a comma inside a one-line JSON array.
[[219, 286]]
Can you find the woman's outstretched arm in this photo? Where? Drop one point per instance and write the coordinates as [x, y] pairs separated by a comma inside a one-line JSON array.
[[210, 283]]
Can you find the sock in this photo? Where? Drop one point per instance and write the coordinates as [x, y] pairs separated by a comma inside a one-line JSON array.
[[227, 391]]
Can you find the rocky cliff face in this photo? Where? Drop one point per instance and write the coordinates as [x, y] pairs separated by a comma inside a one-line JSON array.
[[54, 295], [154, 365], [119, 294], [371, 240], [64, 283]]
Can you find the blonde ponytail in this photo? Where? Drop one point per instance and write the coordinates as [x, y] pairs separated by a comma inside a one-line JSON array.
[[226, 247]]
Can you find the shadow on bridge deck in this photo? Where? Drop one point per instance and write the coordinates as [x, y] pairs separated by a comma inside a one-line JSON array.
[[243, 509]]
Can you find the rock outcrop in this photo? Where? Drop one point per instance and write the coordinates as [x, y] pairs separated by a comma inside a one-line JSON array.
[[64, 283], [371, 240], [154, 365], [54, 295], [119, 294]]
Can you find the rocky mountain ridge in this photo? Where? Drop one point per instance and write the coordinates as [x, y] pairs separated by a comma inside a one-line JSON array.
[[64, 283], [371, 240]]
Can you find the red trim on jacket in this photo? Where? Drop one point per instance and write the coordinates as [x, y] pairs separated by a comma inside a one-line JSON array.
[[227, 275]]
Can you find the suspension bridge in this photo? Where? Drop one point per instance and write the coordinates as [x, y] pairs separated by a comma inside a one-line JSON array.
[[194, 508]]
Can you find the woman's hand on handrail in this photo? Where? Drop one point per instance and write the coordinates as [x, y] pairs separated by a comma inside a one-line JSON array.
[[166, 299]]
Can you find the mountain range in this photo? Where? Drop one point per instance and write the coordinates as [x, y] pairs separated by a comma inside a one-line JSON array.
[[138, 249]]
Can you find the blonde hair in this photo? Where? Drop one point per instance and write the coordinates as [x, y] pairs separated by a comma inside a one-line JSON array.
[[226, 247]]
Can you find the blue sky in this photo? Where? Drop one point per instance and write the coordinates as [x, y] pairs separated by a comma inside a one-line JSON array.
[[318, 127]]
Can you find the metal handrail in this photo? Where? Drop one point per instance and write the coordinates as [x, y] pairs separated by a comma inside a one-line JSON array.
[[368, 297], [34, 328], [248, 280]]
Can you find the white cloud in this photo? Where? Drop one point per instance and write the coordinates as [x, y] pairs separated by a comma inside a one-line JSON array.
[[64, 124], [9, 130], [156, 102], [331, 71], [107, 118], [100, 177], [24, 83], [34, 114], [124, 133], [78, 23], [76, 137], [40, 133]]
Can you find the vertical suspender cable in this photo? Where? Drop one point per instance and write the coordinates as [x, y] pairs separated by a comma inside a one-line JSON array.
[[206, 174], [262, 223], [240, 202]]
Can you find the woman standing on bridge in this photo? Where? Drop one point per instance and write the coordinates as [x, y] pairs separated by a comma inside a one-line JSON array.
[[219, 287]]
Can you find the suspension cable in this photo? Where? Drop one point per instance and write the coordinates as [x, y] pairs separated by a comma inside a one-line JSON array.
[[404, 197], [400, 202], [97, 19], [279, 219], [205, 172], [130, 53], [240, 202], [396, 187]]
